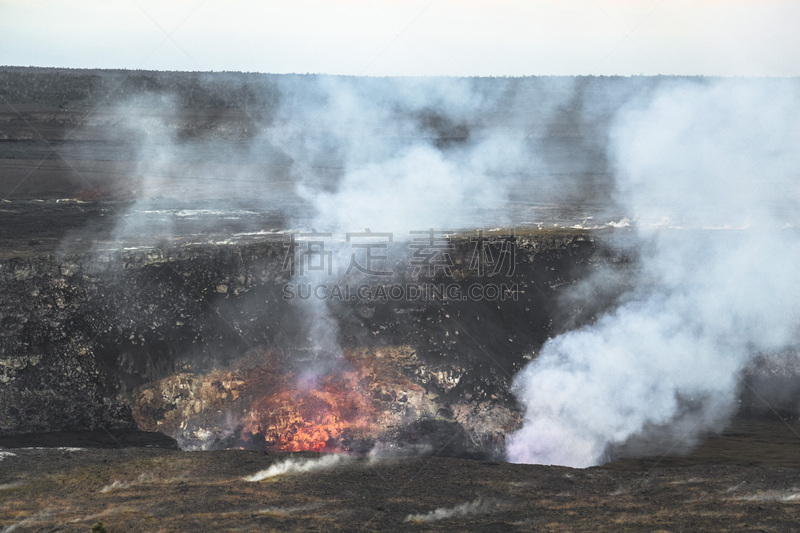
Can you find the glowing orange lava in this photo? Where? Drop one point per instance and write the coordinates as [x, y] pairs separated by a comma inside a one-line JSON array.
[[313, 418]]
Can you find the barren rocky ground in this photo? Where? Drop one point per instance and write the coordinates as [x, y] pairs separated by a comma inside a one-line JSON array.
[[742, 480]]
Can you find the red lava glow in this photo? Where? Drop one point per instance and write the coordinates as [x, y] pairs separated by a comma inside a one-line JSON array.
[[313, 418]]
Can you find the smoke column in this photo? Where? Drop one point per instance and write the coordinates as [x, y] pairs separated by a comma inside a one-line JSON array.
[[711, 173], [411, 154]]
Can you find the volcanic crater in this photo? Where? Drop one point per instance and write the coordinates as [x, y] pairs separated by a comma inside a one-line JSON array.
[[150, 361]]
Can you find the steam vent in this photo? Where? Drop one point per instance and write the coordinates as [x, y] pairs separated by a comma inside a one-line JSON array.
[[384, 285]]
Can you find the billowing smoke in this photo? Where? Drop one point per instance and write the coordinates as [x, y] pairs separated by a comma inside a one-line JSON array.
[[341, 154], [711, 173], [338, 155], [396, 155], [706, 170], [392, 156]]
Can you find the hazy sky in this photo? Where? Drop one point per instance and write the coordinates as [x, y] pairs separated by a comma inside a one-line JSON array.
[[408, 37]]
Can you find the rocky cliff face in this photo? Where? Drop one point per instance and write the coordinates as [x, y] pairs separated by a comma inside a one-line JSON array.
[[202, 343], [80, 330]]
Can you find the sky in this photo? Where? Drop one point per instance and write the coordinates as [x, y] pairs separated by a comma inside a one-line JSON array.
[[409, 37]]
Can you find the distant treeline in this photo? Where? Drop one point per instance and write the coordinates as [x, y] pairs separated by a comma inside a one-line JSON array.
[[65, 88], [69, 88]]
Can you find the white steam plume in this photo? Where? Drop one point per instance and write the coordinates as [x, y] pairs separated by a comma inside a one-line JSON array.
[[694, 158], [407, 155], [414, 153]]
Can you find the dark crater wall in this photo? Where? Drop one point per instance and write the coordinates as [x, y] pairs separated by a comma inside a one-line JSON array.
[[83, 335]]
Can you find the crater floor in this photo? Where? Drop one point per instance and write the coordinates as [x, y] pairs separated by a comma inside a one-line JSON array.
[[744, 479]]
